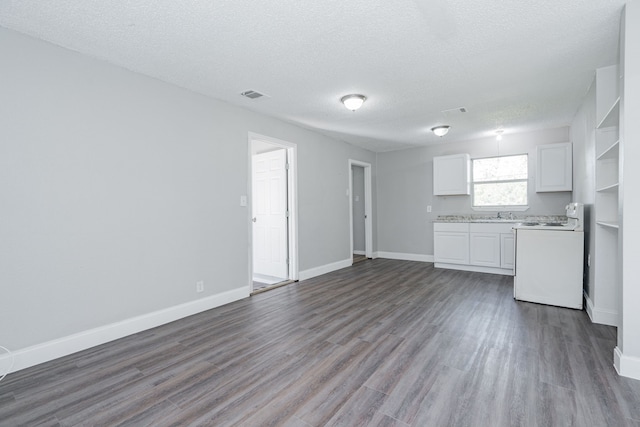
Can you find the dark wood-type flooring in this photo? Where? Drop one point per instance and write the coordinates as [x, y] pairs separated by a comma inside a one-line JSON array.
[[382, 343]]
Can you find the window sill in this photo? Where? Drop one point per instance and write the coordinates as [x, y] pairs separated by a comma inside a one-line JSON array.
[[500, 208]]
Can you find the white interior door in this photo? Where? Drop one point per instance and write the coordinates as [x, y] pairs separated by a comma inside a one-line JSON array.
[[270, 214]]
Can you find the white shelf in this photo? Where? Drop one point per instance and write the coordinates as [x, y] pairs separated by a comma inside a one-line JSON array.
[[612, 152], [612, 117], [608, 147], [608, 188], [608, 224]]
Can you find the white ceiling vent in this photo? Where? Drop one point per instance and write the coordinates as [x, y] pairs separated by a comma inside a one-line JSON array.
[[252, 94], [455, 110]]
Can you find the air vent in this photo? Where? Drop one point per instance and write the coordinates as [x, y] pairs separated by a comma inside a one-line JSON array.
[[252, 94], [455, 110]]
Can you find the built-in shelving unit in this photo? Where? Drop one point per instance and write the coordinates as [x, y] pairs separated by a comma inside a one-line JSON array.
[[604, 293], [611, 118]]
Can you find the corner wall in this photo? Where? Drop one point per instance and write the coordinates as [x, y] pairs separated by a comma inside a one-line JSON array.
[[627, 354]]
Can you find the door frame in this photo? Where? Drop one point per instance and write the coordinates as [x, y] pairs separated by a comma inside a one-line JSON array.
[[292, 201], [368, 227]]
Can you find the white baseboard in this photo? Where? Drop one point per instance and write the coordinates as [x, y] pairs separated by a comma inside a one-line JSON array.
[[403, 256], [476, 268], [626, 366], [355, 252], [600, 316], [50, 350], [324, 269]]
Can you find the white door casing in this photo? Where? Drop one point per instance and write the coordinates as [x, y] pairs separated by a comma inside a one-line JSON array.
[[368, 227], [270, 213]]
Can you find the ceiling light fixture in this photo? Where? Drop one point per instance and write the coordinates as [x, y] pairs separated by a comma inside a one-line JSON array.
[[353, 101], [499, 133], [440, 130]]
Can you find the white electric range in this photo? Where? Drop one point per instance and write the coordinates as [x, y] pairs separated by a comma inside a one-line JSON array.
[[549, 260]]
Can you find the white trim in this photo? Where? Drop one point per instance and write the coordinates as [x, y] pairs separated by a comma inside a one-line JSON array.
[[600, 316], [355, 252], [404, 256], [292, 201], [476, 268], [324, 269], [500, 208], [626, 366], [50, 350], [368, 207]]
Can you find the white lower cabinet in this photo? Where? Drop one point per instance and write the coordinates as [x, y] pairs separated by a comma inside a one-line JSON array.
[[485, 247], [451, 243], [507, 251]]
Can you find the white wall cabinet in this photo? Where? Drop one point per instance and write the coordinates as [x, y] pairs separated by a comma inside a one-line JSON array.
[[452, 175], [485, 247], [554, 167], [451, 243]]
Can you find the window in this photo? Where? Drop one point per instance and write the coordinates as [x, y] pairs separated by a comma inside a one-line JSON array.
[[500, 181]]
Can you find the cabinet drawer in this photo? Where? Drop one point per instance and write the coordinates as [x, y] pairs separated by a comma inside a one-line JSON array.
[[459, 227], [482, 227]]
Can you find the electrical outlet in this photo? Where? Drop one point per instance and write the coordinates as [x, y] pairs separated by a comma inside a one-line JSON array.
[[200, 286], [429, 208]]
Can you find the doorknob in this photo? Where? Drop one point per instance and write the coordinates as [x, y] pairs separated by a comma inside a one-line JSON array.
[[254, 219]]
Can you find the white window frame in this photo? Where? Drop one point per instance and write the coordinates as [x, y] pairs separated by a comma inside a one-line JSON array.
[[499, 208]]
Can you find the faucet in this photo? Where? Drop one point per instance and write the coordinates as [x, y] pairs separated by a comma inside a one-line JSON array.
[[499, 215]]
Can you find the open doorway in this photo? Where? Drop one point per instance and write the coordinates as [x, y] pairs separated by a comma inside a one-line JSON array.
[[357, 203], [360, 210], [273, 205]]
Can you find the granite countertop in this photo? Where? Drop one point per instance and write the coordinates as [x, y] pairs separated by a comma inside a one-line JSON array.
[[493, 219]]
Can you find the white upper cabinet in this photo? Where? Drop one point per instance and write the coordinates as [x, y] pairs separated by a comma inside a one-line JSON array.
[[452, 175], [554, 168]]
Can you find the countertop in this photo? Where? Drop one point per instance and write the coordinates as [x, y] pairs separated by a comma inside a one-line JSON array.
[[493, 219]]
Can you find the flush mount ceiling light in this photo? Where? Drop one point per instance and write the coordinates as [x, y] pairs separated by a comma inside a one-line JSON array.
[[440, 130], [353, 101], [499, 133]]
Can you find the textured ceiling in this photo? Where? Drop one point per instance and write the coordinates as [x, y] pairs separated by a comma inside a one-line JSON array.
[[520, 65]]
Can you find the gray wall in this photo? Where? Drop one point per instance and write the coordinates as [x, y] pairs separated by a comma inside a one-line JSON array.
[[119, 192], [358, 208], [584, 146], [405, 188]]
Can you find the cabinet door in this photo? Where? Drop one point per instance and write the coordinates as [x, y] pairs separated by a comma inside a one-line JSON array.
[[507, 251], [451, 247], [484, 249], [451, 175], [554, 170]]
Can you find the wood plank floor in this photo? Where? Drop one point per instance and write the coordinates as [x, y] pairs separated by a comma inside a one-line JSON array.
[[382, 343]]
